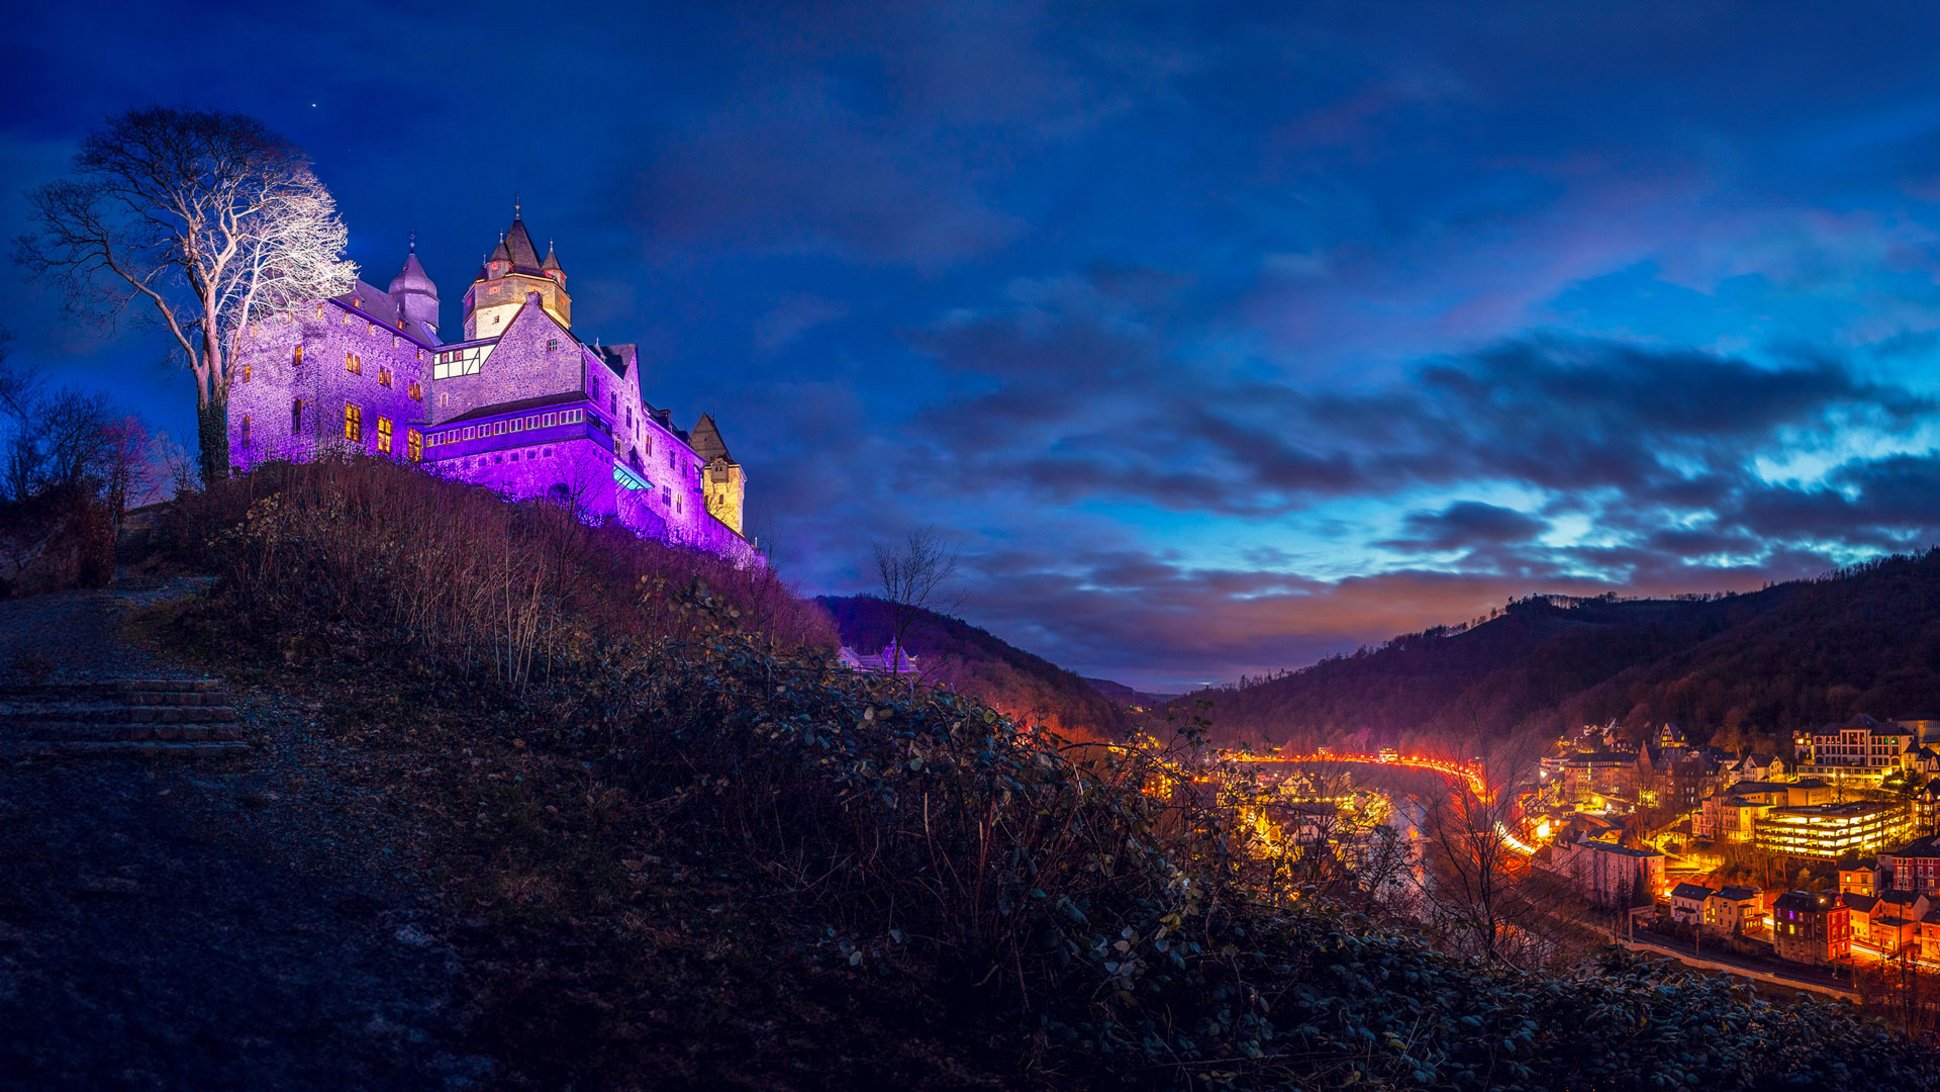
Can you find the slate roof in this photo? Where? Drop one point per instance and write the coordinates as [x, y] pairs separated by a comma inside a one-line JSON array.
[[617, 358], [1622, 851], [498, 408], [518, 246], [1874, 725], [1922, 847], [707, 442], [412, 277], [1692, 891], [1802, 900], [1737, 893], [377, 306], [1859, 904]]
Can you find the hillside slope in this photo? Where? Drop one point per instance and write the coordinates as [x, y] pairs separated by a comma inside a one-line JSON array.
[[1866, 639], [972, 661], [659, 839]]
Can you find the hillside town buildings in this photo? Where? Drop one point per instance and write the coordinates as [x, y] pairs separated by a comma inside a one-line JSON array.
[[517, 402], [1861, 801]]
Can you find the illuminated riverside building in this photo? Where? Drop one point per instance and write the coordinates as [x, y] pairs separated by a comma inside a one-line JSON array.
[[1829, 832], [1606, 874], [519, 403]]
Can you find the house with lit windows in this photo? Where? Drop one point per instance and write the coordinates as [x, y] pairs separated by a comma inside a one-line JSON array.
[[1732, 908], [1687, 903], [1811, 928], [1914, 866], [518, 403]]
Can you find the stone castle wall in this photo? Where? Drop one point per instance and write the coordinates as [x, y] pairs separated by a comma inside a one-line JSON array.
[[269, 379]]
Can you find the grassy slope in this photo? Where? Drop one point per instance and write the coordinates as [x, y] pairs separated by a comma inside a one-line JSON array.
[[688, 851]]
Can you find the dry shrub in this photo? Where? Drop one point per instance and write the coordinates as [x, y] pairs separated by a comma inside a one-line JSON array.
[[62, 538], [494, 590]]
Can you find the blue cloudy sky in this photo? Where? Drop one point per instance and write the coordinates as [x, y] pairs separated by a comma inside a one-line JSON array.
[[1221, 337]]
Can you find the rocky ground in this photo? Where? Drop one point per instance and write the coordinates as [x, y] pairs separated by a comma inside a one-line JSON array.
[[169, 923]]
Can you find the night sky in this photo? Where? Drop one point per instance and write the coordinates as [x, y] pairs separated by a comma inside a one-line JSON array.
[[1221, 339]]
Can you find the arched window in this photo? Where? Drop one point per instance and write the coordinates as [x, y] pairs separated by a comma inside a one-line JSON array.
[[353, 422], [296, 415], [414, 445], [297, 357], [245, 430], [384, 434]]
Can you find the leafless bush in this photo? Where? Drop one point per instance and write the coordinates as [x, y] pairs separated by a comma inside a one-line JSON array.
[[500, 591]]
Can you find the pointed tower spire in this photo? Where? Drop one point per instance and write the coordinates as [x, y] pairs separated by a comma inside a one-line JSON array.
[[551, 267], [416, 295]]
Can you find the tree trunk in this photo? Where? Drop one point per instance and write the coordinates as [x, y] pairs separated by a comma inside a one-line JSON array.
[[212, 430]]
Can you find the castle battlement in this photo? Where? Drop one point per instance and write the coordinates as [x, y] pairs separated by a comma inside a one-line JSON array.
[[521, 405]]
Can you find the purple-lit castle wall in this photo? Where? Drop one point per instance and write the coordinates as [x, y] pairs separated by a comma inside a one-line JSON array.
[[530, 412], [289, 405]]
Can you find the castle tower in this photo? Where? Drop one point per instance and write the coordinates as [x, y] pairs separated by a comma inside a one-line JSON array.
[[511, 272], [724, 484], [416, 296]]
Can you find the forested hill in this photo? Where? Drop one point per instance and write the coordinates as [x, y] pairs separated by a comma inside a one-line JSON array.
[[976, 663], [1865, 639]]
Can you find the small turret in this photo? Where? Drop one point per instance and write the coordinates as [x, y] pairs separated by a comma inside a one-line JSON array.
[[499, 262], [551, 267], [416, 295]]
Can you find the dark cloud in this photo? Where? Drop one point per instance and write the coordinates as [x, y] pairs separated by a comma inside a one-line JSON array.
[[1467, 524]]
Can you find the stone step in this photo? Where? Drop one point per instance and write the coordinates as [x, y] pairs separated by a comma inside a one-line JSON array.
[[121, 748], [54, 730], [16, 712], [174, 684], [174, 697], [108, 689]]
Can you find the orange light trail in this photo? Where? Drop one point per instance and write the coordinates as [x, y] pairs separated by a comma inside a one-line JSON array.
[[1454, 770]]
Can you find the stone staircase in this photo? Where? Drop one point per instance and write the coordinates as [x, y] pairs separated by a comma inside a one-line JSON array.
[[156, 717]]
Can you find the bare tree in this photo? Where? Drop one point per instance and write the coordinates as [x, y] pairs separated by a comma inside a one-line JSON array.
[[914, 577], [210, 220], [1479, 890]]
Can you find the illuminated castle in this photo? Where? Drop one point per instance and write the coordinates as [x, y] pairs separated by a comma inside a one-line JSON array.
[[520, 404]]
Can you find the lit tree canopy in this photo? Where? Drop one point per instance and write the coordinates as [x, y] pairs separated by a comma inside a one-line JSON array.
[[209, 219]]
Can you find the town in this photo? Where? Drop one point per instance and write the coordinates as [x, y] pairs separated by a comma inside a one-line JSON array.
[[1825, 859]]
